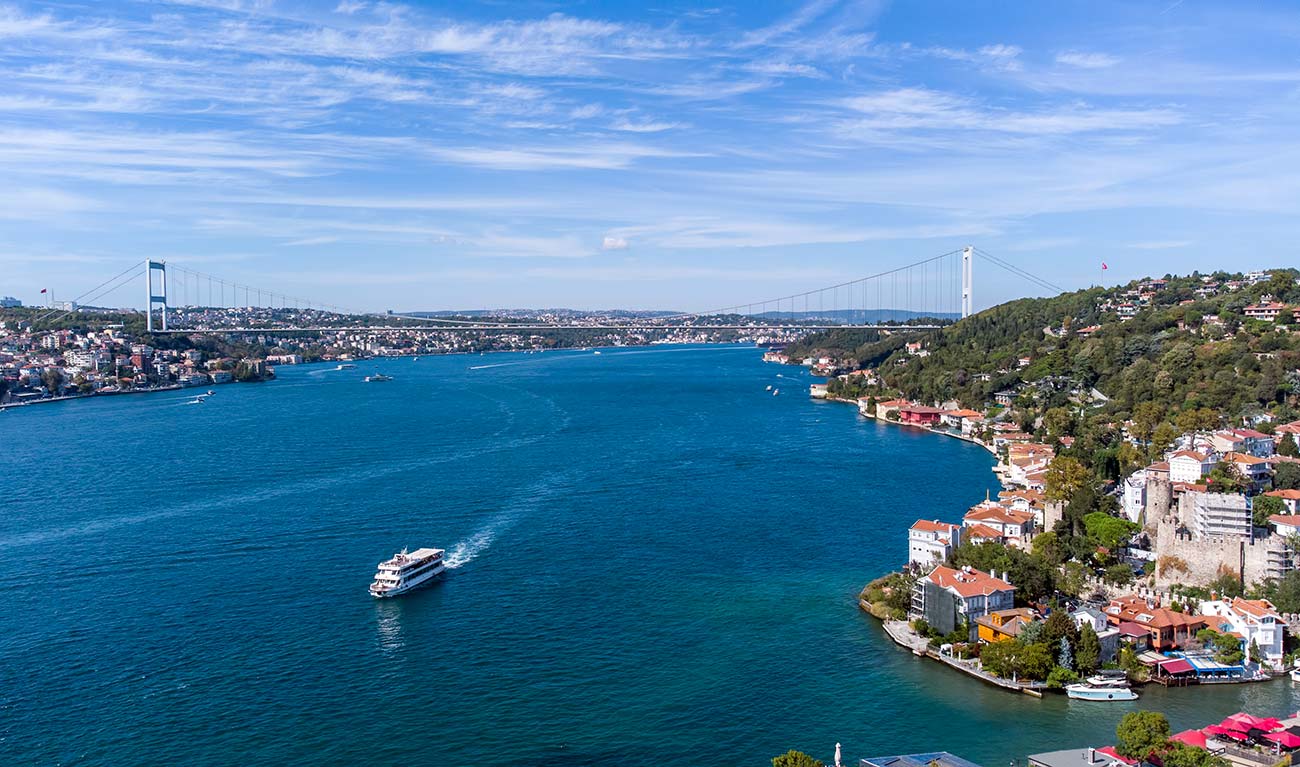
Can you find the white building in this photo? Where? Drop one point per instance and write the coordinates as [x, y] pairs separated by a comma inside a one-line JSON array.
[[9, 302], [930, 542], [1189, 466], [1135, 496], [1255, 620]]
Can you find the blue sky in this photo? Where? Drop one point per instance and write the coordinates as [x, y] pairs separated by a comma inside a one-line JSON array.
[[646, 155]]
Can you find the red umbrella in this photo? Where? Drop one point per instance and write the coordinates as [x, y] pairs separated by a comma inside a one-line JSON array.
[[1234, 735], [1234, 724], [1244, 719], [1194, 738], [1268, 723], [1214, 729], [1284, 739]]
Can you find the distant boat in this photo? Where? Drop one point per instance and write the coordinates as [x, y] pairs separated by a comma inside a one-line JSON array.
[[346, 366], [596, 352], [378, 378], [210, 392], [415, 359], [769, 387], [1090, 692], [775, 392]]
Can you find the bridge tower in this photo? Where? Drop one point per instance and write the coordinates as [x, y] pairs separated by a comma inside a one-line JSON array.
[[967, 276], [155, 299]]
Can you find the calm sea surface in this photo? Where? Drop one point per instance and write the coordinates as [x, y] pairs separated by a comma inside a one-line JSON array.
[[657, 565]]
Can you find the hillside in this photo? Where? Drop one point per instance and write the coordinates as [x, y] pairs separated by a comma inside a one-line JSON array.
[[1184, 345]]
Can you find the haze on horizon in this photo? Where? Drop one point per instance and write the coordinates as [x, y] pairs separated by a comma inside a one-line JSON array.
[[426, 156]]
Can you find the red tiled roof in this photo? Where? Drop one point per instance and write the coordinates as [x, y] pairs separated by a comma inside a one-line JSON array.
[[934, 526], [968, 583]]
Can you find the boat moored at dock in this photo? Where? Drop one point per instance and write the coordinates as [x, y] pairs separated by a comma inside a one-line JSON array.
[[1092, 692]]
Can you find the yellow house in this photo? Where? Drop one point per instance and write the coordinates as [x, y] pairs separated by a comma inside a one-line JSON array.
[[1004, 624]]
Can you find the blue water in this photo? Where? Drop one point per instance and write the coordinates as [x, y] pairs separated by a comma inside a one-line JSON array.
[[658, 563]]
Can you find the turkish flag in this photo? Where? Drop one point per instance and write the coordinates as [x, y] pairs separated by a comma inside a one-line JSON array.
[[1103, 266], [43, 290]]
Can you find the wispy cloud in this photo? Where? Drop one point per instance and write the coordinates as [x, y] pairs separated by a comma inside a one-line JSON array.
[[1085, 60]]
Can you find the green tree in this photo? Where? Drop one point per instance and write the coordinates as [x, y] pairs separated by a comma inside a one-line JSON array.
[[1225, 478], [1146, 417], [1265, 506], [1141, 733], [1288, 447], [1183, 755], [1035, 662], [1287, 476], [52, 377], [794, 758], [1087, 657], [1065, 477], [1107, 530], [1119, 574], [1059, 677], [1072, 579]]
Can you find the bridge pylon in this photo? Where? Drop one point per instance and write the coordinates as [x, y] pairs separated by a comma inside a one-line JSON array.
[[967, 277], [155, 299]]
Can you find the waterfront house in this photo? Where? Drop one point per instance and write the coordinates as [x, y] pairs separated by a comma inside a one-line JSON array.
[[946, 597], [1189, 465], [978, 533], [930, 542], [1004, 624], [1252, 620], [1081, 757], [883, 408], [932, 759], [818, 390], [957, 419], [1164, 629], [1290, 499], [919, 415]]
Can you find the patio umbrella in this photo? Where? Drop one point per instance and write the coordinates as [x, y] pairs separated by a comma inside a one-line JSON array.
[[1234, 735], [1284, 739], [1246, 720], [1214, 730], [1268, 724], [1194, 738], [1234, 724]]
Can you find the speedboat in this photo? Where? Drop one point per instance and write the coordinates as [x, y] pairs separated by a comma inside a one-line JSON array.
[[378, 377], [346, 366], [1090, 692], [1295, 674], [775, 392], [406, 571]]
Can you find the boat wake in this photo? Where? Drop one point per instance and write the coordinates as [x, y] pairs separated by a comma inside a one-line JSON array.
[[469, 549]]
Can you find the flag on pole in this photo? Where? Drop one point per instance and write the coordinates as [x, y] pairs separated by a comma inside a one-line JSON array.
[[1103, 266], [44, 289]]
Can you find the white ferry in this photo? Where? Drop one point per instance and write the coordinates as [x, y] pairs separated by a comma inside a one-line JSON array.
[[406, 571], [346, 366], [378, 377]]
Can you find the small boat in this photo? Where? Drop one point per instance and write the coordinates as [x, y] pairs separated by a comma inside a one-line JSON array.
[[211, 392], [378, 378], [596, 352], [775, 392], [415, 359], [1295, 674], [407, 571], [1089, 692], [346, 366], [769, 387]]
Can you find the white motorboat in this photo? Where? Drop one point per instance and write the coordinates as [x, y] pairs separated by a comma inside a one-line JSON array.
[[407, 571], [1089, 692], [378, 378]]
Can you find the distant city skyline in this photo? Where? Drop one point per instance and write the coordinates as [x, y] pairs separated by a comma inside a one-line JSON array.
[[427, 156]]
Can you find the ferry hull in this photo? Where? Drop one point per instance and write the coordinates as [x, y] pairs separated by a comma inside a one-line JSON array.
[[406, 586]]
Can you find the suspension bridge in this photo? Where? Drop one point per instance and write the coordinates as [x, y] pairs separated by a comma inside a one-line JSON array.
[[922, 295]]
